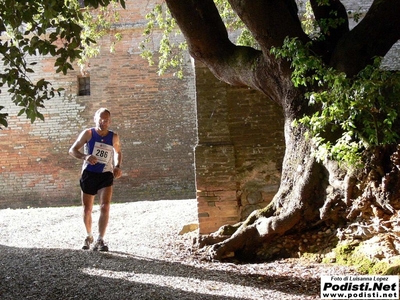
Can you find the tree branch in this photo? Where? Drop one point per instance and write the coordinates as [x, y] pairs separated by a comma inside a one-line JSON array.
[[370, 38], [333, 10], [270, 22], [334, 23], [202, 27], [208, 42]]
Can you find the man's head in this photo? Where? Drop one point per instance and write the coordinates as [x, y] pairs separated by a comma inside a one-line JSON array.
[[102, 118]]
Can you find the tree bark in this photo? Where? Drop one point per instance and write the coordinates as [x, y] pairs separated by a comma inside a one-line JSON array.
[[208, 42], [297, 203], [373, 36]]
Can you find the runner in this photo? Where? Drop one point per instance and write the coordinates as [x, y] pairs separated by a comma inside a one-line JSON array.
[[102, 159]]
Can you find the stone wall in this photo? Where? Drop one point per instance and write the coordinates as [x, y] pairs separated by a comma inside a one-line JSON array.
[[239, 153], [154, 116]]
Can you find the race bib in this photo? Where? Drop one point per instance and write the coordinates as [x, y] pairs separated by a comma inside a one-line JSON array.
[[103, 152]]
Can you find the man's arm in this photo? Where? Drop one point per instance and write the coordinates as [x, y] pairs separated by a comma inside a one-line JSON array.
[[82, 139], [117, 156]]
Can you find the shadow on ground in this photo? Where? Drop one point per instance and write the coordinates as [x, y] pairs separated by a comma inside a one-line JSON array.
[[34, 273]]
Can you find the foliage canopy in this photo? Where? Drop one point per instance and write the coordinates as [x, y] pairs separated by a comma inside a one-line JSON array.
[[363, 109], [65, 29]]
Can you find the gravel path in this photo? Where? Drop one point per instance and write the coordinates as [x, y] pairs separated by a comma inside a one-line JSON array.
[[40, 258]]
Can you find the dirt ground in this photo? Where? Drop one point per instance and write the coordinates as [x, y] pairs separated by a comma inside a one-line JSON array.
[[40, 258]]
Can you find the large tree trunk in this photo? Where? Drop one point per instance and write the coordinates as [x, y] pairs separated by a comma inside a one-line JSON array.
[[301, 194]]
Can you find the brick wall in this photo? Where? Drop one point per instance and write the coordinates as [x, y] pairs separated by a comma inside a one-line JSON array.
[[239, 152], [154, 116]]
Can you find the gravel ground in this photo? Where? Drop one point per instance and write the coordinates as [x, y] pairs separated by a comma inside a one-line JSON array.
[[40, 258]]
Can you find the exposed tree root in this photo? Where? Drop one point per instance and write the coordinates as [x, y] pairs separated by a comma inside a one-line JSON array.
[[248, 237], [358, 205]]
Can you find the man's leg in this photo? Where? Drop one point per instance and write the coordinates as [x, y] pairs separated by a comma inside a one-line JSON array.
[[105, 195], [105, 200], [87, 204]]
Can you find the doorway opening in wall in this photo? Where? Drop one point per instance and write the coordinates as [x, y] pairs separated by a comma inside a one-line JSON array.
[[83, 85]]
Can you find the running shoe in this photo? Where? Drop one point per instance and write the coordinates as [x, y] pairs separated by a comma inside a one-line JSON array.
[[87, 242], [100, 246]]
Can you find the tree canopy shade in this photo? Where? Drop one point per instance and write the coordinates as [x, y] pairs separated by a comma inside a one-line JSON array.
[[63, 29], [341, 110]]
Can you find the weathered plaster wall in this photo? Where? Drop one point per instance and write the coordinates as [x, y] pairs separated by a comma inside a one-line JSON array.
[[239, 153]]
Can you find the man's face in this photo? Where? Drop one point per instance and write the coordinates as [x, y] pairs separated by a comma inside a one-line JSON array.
[[103, 121]]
